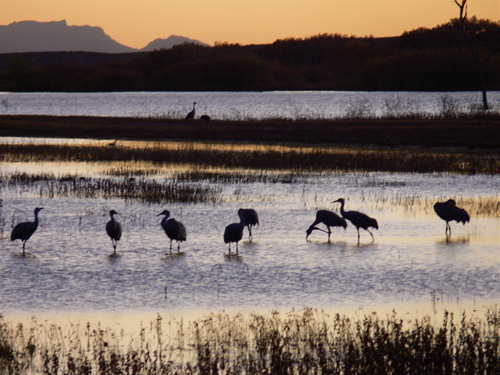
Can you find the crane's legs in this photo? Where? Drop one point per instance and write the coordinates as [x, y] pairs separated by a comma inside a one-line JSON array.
[[114, 243], [24, 244], [448, 229], [250, 236], [373, 238], [170, 247], [329, 233]]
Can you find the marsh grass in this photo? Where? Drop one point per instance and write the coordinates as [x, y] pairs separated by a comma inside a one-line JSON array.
[[144, 190], [297, 159], [308, 341]]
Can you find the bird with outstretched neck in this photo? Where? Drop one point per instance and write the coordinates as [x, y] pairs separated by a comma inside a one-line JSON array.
[[251, 219], [174, 229], [234, 231], [358, 219], [328, 218], [114, 230], [448, 211], [24, 231], [191, 114]]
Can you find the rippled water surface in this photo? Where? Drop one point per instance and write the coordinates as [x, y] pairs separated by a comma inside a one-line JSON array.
[[244, 105], [410, 261]]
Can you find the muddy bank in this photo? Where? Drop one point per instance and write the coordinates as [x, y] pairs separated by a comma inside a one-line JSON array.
[[471, 134]]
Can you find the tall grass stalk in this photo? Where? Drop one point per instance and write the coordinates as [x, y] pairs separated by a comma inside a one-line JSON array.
[[308, 341]]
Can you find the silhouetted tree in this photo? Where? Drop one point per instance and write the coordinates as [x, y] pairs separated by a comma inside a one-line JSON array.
[[466, 28]]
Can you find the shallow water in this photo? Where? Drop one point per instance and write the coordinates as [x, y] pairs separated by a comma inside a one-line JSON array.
[[244, 105], [410, 262]]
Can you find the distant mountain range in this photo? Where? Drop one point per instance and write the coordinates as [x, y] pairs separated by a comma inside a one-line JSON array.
[[33, 36]]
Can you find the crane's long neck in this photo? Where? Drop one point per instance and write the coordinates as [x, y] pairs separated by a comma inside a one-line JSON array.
[[242, 219], [35, 223], [342, 208]]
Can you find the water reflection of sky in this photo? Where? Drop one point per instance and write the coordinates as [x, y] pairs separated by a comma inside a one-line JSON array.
[[409, 261]]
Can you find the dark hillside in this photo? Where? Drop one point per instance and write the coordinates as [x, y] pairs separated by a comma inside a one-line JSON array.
[[435, 59]]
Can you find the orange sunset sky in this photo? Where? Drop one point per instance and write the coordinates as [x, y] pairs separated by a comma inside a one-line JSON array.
[[135, 23]]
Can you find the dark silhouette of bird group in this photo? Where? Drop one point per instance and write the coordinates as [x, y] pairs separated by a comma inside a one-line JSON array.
[[233, 233]]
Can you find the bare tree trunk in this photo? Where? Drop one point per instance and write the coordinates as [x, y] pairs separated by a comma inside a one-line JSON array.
[[481, 66]]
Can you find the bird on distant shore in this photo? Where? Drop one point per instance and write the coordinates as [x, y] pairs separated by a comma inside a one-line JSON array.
[[328, 218], [234, 231], [251, 219], [358, 219], [174, 229], [448, 211], [205, 118], [114, 229], [191, 114], [24, 231], [113, 144]]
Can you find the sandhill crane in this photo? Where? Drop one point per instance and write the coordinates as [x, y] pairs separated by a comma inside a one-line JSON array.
[[174, 229], [234, 231], [205, 118], [114, 230], [23, 231], [358, 219], [191, 114], [113, 144], [251, 219], [330, 219], [448, 211]]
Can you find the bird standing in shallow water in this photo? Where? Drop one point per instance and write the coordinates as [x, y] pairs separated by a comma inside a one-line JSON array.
[[191, 114], [234, 231], [23, 231], [358, 219], [330, 219], [174, 229], [114, 230], [251, 219], [448, 211]]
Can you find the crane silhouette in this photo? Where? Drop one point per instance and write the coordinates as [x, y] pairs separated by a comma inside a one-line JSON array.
[[358, 219], [113, 144], [174, 229], [330, 219], [191, 114], [234, 231], [205, 118], [448, 211], [114, 230], [251, 219], [24, 231]]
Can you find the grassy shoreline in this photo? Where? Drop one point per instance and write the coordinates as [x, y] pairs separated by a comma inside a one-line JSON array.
[[471, 132], [307, 341]]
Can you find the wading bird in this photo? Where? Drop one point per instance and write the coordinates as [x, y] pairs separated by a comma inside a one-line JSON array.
[[448, 211], [174, 229], [191, 114], [358, 219], [234, 231], [113, 144], [205, 118], [330, 219], [114, 230], [251, 219], [23, 231]]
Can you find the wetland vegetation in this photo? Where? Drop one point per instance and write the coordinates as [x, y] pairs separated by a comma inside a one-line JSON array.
[[307, 341]]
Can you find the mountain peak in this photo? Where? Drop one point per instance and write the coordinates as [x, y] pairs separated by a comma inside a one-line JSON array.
[[34, 36]]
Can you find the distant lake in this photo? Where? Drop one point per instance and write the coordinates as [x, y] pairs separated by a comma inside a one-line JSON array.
[[292, 105]]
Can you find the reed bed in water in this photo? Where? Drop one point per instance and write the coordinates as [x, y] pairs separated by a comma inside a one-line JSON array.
[[143, 190], [297, 342], [294, 159]]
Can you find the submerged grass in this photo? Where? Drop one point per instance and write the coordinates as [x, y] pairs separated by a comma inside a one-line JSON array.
[[296, 159], [143, 190], [297, 342]]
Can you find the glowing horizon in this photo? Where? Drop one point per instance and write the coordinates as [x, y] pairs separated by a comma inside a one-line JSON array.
[[135, 23]]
